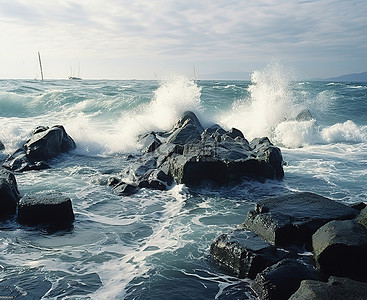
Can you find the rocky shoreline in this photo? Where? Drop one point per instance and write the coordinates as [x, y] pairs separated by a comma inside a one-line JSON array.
[[296, 246]]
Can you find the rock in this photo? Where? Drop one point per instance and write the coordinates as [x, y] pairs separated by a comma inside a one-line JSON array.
[[235, 133], [245, 253], [340, 249], [157, 179], [149, 142], [295, 217], [362, 218], [304, 115], [336, 288], [2, 147], [44, 144], [9, 194], [358, 206], [125, 189], [281, 280], [48, 208]]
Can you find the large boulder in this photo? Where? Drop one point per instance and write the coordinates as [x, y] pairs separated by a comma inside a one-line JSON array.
[[9, 194], [48, 208], [293, 218], [337, 288], [45, 143], [340, 249], [244, 253], [281, 280], [362, 218]]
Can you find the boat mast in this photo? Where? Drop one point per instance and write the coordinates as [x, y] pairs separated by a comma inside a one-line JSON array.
[[39, 58]]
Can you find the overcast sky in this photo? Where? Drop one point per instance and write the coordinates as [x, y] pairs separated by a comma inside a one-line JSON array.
[[137, 39]]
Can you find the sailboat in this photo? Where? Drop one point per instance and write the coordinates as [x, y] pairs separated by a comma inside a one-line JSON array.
[[39, 59], [196, 75], [71, 77]]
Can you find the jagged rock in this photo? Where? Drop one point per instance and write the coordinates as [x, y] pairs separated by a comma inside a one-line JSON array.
[[149, 142], [295, 217], [281, 280], [340, 249], [336, 288], [304, 115], [2, 147], [48, 207], [125, 189], [362, 218], [157, 179], [9, 194], [245, 253], [44, 144]]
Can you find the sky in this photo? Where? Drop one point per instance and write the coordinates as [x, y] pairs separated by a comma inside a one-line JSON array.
[[147, 39]]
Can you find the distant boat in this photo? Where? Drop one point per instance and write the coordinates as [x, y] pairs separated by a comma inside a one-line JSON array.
[[39, 59], [196, 75], [72, 77]]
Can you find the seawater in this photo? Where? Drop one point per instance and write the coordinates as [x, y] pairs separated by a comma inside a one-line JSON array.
[[155, 244]]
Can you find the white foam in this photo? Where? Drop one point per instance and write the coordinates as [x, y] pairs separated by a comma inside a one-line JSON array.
[[344, 132]]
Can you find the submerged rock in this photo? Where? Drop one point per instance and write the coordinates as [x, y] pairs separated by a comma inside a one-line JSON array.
[[337, 288], [281, 280], [245, 253], [340, 249], [295, 217], [45, 143], [48, 208], [9, 194]]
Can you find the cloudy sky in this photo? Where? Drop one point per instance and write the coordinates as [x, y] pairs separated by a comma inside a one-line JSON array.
[[126, 39]]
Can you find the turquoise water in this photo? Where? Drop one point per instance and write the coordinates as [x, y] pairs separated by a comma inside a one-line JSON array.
[[155, 244]]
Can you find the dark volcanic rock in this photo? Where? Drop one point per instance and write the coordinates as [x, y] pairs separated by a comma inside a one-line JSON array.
[[44, 144], [125, 189], [281, 280], [245, 253], [48, 207], [340, 249], [362, 218], [336, 288], [9, 194], [295, 217], [149, 142]]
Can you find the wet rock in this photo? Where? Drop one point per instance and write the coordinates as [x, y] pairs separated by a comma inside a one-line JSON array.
[[2, 147], [245, 253], [337, 288], [125, 189], [340, 249], [149, 142], [295, 217], [304, 115], [358, 206], [45, 143], [9, 194], [281, 280], [362, 218], [157, 180], [48, 208]]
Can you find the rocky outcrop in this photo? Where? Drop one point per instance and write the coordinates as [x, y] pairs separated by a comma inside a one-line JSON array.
[[44, 144], [340, 249], [295, 217], [9, 194], [245, 253], [190, 154], [336, 288], [362, 218], [281, 280], [47, 208], [272, 245]]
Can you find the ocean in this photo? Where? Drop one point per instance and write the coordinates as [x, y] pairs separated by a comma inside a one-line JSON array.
[[155, 244]]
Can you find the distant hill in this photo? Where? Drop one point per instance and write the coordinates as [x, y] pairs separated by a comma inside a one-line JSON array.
[[361, 77]]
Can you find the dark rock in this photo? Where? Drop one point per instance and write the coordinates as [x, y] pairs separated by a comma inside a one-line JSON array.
[[157, 179], [112, 181], [358, 206], [49, 208], [2, 147], [245, 253], [9, 194], [44, 144], [149, 142], [281, 280], [304, 115], [336, 288], [215, 129], [125, 189], [340, 249], [362, 218], [235, 133], [295, 217]]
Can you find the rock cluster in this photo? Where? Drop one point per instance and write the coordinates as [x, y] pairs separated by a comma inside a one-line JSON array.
[[191, 154], [44, 144], [269, 247]]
